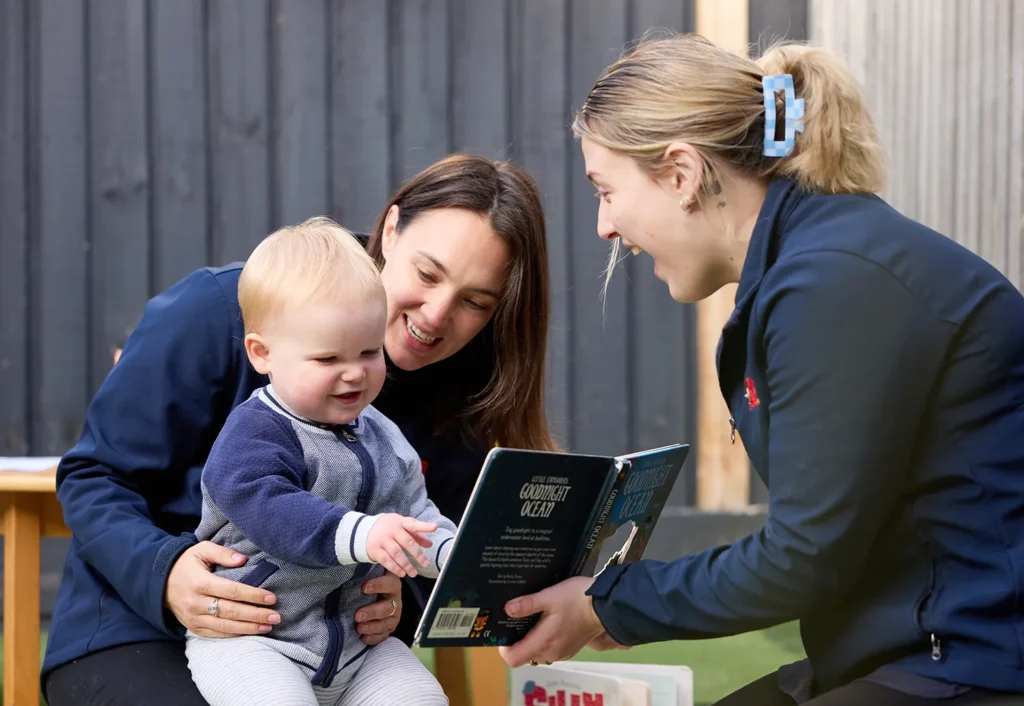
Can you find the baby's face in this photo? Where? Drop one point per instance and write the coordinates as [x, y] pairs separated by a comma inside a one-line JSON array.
[[326, 361]]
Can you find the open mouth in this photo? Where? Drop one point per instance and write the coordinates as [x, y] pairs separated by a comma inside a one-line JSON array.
[[418, 335], [347, 397]]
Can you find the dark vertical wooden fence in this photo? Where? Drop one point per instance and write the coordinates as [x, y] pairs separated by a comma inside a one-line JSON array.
[[140, 139]]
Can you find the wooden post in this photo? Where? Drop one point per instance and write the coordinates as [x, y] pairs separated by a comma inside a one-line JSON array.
[[450, 665], [723, 472], [488, 677], [472, 676], [21, 528]]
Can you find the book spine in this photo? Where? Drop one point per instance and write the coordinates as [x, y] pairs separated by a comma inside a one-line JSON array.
[[599, 517]]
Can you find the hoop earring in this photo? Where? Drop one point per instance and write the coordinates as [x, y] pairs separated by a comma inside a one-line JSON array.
[[688, 203]]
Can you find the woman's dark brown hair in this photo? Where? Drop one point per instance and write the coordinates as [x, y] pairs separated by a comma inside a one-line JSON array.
[[495, 388]]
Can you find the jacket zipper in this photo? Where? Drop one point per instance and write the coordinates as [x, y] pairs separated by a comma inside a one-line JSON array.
[[732, 430], [335, 639], [335, 635], [936, 643]]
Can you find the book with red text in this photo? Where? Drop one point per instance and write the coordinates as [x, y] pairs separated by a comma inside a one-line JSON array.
[[536, 518], [552, 686]]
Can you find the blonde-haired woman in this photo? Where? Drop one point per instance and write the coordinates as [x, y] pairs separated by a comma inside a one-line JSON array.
[[874, 370]]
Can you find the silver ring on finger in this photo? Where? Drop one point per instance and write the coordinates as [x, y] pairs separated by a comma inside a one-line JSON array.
[[214, 607], [394, 607]]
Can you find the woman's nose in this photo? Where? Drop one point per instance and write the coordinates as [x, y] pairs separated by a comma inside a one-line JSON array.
[[436, 310], [605, 229]]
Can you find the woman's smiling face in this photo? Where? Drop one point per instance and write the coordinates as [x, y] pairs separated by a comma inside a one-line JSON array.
[[645, 212], [445, 275]]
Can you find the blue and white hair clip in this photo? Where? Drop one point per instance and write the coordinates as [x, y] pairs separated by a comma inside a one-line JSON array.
[[794, 115]]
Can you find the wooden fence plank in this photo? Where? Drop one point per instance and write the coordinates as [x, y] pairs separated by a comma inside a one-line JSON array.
[[601, 374], [120, 176], [420, 80], [480, 77], [942, 145], [300, 176], [969, 125], [985, 97], [858, 40], [660, 373], [181, 227], [360, 118], [886, 24], [1015, 196], [897, 102], [771, 20], [910, 63], [723, 470], [541, 117], [239, 127], [996, 223], [59, 313], [14, 229], [927, 69]]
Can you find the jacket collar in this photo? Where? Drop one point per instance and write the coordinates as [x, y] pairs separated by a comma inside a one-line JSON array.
[[782, 197]]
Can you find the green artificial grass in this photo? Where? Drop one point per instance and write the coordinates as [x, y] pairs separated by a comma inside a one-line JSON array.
[[719, 666]]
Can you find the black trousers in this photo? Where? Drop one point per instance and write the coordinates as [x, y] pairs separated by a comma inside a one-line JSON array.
[[140, 674], [153, 673], [765, 692]]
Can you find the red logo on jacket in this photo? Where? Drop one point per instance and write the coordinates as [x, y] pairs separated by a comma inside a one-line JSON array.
[[751, 394]]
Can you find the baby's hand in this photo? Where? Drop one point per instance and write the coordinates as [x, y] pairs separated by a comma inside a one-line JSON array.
[[393, 535]]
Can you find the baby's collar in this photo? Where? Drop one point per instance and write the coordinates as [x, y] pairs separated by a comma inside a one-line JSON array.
[[269, 397]]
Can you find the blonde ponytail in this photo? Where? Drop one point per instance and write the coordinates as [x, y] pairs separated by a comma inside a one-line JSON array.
[[839, 150], [685, 89]]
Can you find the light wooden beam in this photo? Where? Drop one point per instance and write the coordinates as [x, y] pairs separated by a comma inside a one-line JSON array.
[[723, 471]]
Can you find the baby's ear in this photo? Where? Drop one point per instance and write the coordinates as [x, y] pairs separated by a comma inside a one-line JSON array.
[[258, 352]]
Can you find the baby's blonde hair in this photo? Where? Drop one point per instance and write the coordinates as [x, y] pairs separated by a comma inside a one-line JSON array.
[[311, 262]]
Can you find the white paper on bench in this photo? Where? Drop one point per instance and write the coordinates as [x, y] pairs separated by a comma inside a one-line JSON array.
[[27, 463]]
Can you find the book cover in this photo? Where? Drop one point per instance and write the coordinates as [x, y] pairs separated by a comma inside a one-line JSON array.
[[638, 496], [536, 518]]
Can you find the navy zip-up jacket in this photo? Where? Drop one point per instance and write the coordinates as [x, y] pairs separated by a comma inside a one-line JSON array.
[[130, 488], [875, 373]]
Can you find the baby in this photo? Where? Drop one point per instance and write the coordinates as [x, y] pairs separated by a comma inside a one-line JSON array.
[[315, 486]]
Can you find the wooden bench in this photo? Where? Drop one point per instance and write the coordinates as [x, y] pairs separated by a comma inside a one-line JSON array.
[[28, 501]]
